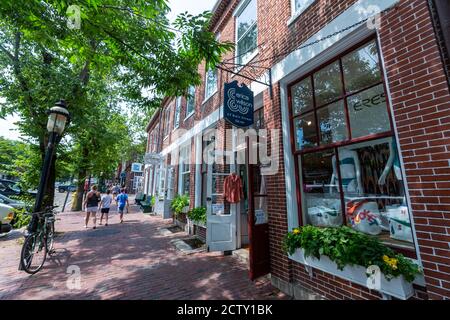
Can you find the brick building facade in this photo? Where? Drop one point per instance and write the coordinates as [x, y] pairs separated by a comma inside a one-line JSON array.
[[328, 60]]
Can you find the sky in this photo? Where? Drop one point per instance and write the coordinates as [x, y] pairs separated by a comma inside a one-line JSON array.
[[7, 127]]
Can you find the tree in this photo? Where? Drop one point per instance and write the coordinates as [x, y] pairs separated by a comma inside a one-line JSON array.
[[121, 45]]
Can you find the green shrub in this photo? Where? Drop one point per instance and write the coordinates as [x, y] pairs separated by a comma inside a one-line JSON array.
[[178, 203], [346, 246], [198, 214], [20, 219]]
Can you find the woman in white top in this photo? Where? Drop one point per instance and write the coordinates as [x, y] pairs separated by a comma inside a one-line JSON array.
[[105, 204]]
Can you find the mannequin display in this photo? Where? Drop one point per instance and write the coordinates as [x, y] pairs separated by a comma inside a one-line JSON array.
[[350, 172], [232, 188], [393, 161]]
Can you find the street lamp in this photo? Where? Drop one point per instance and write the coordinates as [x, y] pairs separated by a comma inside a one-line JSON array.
[[57, 118]]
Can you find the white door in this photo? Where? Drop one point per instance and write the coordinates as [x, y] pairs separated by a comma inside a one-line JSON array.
[[221, 215]]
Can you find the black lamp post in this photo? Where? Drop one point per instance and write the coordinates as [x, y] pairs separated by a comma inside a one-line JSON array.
[[57, 118]]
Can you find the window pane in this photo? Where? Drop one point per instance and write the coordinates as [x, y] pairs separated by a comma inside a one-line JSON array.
[[302, 96], [361, 68], [246, 18], [305, 131], [190, 101], [247, 45], [332, 123], [301, 5], [368, 112], [374, 191], [186, 182], [176, 121], [321, 200], [328, 84], [211, 82]]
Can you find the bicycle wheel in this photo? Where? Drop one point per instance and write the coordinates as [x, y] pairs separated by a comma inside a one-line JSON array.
[[50, 235], [34, 253]]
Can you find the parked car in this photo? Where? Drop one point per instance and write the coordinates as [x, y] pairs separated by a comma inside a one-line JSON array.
[[67, 187], [6, 216], [11, 188], [16, 204]]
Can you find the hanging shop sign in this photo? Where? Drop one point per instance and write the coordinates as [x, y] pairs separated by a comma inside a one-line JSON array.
[[238, 104]]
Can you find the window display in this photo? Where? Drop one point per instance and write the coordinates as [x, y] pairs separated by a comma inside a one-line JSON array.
[[348, 162]]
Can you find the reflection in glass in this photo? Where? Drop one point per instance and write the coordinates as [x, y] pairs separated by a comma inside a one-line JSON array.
[[368, 112], [321, 202], [332, 123], [305, 131], [246, 45], [328, 84], [361, 68], [301, 94]]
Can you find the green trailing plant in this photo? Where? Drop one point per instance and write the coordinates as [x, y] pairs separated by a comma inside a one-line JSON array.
[[21, 219], [153, 201], [198, 215], [179, 203], [346, 246]]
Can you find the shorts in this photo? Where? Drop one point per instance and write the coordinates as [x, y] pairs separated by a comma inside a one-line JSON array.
[[121, 209], [91, 209], [104, 210]]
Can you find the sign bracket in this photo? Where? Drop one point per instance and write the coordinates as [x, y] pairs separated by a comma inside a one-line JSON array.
[[240, 67]]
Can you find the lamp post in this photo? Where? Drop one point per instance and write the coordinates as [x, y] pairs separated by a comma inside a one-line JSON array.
[[57, 118]]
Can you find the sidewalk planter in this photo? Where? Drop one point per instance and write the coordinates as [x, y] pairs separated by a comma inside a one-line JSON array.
[[397, 287]]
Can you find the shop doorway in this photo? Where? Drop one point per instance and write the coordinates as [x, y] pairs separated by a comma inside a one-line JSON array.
[[221, 215]]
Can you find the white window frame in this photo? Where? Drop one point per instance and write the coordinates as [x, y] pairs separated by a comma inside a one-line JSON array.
[[166, 122], [207, 84], [296, 13], [185, 154], [238, 11], [188, 98], [177, 114]]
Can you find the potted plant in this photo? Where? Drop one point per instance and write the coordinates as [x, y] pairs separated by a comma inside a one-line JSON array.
[[349, 254], [179, 204], [198, 215]]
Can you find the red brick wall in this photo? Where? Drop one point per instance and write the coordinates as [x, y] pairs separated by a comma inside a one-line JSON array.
[[421, 100]]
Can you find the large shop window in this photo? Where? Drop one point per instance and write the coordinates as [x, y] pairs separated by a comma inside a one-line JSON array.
[[348, 163], [246, 33]]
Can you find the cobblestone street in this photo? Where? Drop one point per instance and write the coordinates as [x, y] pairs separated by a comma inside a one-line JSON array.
[[133, 260]]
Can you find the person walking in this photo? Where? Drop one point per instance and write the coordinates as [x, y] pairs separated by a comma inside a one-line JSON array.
[[115, 191], [91, 205], [122, 201], [105, 204]]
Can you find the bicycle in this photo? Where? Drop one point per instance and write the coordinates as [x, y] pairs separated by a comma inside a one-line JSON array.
[[39, 241]]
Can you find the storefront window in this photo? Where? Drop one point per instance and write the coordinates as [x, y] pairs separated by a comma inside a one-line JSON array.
[[349, 168]]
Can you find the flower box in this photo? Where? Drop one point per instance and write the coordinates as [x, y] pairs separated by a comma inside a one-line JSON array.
[[397, 287]]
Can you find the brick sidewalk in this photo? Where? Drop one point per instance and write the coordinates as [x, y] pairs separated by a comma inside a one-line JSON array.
[[132, 260]]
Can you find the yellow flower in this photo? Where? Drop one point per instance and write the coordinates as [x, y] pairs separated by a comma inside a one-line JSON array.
[[296, 231], [391, 262]]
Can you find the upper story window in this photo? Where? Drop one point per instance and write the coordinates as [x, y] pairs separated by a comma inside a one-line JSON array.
[[298, 6], [166, 121], [176, 119], [190, 105], [246, 32], [210, 83]]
